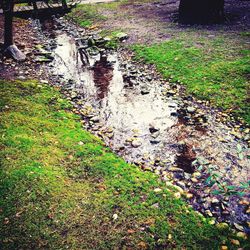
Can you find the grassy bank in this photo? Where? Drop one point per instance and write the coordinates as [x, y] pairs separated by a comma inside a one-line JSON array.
[[214, 69], [62, 189]]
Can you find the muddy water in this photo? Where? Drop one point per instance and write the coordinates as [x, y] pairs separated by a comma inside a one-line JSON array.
[[147, 121], [129, 113]]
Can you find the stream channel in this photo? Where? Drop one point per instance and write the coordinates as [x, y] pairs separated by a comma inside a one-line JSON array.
[[150, 122]]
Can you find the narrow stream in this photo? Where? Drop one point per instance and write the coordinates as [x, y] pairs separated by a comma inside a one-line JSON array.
[[139, 115], [149, 122]]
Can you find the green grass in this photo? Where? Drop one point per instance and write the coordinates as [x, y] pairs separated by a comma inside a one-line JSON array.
[[214, 69], [60, 186]]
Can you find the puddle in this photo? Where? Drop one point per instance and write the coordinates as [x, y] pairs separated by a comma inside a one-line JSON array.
[[129, 113]]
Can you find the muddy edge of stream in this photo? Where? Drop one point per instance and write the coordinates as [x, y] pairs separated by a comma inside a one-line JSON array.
[[150, 121]]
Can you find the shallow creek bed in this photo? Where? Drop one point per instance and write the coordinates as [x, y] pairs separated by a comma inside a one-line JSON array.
[[150, 121]]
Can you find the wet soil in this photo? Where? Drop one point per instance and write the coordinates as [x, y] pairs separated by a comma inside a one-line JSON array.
[[150, 122]]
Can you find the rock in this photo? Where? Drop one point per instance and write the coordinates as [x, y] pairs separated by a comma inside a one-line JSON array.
[[242, 235], [175, 169], [235, 242], [239, 227], [191, 110], [156, 205], [196, 174], [15, 53], [115, 216], [224, 248], [157, 190], [145, 90], [155, 134], [136, 143], [95, 119], [212, 222], [171, 92], [121, 36], [215, 201], [177, 195], [44, 81], [222, 226], [208, 212], [153, 128], [22, 78], [154, 141], [189, 196], [194, 180]]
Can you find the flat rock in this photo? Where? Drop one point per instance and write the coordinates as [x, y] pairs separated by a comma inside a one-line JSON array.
[[15, 53]]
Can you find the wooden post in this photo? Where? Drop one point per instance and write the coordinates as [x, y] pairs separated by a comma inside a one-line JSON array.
[[8, 23], [9, 48]]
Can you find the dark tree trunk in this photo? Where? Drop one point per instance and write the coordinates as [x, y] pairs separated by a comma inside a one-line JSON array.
[[201, 11], [8, 22]]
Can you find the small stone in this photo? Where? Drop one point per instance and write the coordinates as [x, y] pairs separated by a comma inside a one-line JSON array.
[[157, 190], [215, 201], [235, 242], [244, 202], [189, 196], [175, 169], [15, 53], [212, 222], [194, 180], [196, 174], [80, 143], [136, 143], [222, 226], [156, 205], [154, 141], [22, 78], [239, 227], [224, 248], [191, 110], [95, 119], [177, 195], [44, 81], [208, 212], [242, 235], [121, 36], [115, 216], [153, 128]]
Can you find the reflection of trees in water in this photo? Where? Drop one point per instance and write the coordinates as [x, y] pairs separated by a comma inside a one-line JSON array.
[[103, 74]]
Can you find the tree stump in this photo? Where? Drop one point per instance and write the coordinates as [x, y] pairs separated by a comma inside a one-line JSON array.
[[201, 11]]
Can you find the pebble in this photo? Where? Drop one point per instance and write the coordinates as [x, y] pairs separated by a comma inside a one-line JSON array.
[[235, 242], [239, 227], [224, 248], [215, 201], [191, 110], [189, 196], [177, 195], [136, 143], [222, 225], [242, 235], [157, 190], [208, 212]]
